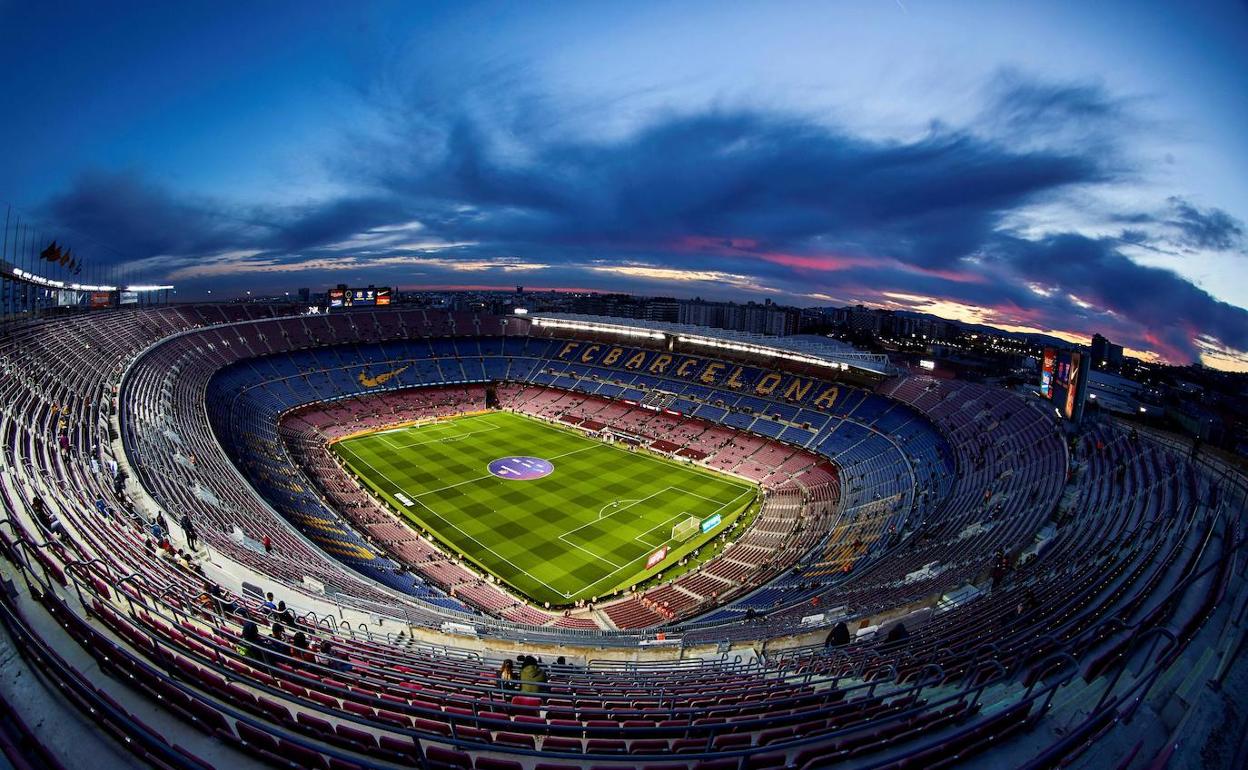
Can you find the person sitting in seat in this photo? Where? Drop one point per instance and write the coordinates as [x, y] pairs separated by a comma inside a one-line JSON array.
[[532, 676], [284, 615], [277, 640], [507, 676], [898, 633], [253, 646], [299, 648], [838, 636], [325, 657]]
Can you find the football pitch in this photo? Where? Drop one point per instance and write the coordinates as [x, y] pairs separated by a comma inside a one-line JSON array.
[[549, 511]]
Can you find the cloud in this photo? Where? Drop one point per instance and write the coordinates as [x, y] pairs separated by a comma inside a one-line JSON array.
[[1211, 228], [1030, 112], [1170, 311], [136, 218], [721, 202]]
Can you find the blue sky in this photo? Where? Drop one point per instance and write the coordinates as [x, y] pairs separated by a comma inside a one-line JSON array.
[[1064, 167]]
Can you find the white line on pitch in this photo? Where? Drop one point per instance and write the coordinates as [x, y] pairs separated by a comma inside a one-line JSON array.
[[599, 557]]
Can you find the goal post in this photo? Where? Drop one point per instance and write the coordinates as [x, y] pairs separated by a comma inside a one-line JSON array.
[[686, 529]]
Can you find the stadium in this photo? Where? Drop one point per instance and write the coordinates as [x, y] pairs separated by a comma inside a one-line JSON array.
[[623, 385], [726, 553]]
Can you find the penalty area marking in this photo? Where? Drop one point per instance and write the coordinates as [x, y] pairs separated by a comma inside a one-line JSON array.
[[423, 428]]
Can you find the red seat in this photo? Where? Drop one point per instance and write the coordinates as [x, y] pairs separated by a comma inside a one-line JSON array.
[[431, 726], [302, 755], [403, 749], [517, 740], [357, 737], [490, 763], [648, 746], [605, 746], [565, 745], [439, 758], [256, 738]]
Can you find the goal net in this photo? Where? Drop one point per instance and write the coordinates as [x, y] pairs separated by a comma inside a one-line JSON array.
[[685, 529]]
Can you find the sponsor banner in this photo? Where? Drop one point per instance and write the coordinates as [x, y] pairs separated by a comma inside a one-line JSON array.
[[807, 391], [656, 557], [711, 522], [462, 629], [1046, 373]]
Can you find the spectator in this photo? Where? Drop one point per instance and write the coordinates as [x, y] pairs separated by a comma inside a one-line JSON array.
[[212, 599], [268, 544], [284, 615], [838, 636], [101, 506], [277, 640], [49, 521], [506, 676], [532, 676], [897, 633], [268, 606], [253, 646], [188, 530], [299, 647], [1000, 564], [325, 658]]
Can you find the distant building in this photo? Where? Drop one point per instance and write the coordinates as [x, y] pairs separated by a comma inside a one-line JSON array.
[[769, 318], [1105, 354]]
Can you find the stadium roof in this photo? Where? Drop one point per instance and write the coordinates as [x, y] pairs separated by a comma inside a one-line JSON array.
[[808, 348]]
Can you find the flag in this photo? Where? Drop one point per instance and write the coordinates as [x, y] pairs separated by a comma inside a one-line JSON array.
[[65, 258], [52, 252]]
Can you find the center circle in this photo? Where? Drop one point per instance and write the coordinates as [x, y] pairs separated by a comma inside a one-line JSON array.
[[521, 468]]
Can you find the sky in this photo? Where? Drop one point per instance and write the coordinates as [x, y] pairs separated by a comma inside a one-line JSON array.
[[1060, 167]]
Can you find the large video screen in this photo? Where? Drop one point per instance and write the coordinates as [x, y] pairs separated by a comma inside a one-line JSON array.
[[1064, 380], [365, 297]]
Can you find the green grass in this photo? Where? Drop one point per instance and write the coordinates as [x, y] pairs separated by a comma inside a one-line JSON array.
[[585, 530]]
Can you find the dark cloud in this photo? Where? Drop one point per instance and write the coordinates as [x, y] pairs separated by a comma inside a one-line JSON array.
[[755, 200], [1211, 228], [137, 219], [1031, 106], [1170, 310], [778, 180], [313, 225]]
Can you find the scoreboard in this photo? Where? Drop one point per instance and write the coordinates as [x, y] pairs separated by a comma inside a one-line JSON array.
[[368, 297]]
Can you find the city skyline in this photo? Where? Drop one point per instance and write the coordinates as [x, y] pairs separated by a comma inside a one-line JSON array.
[[1054, 169]]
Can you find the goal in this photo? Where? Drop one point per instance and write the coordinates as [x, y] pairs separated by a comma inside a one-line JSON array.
[[686, 529]]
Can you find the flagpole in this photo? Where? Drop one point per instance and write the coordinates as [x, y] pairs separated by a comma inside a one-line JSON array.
[[21, 247], [10, 301], [7, 210], [26, 300]]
